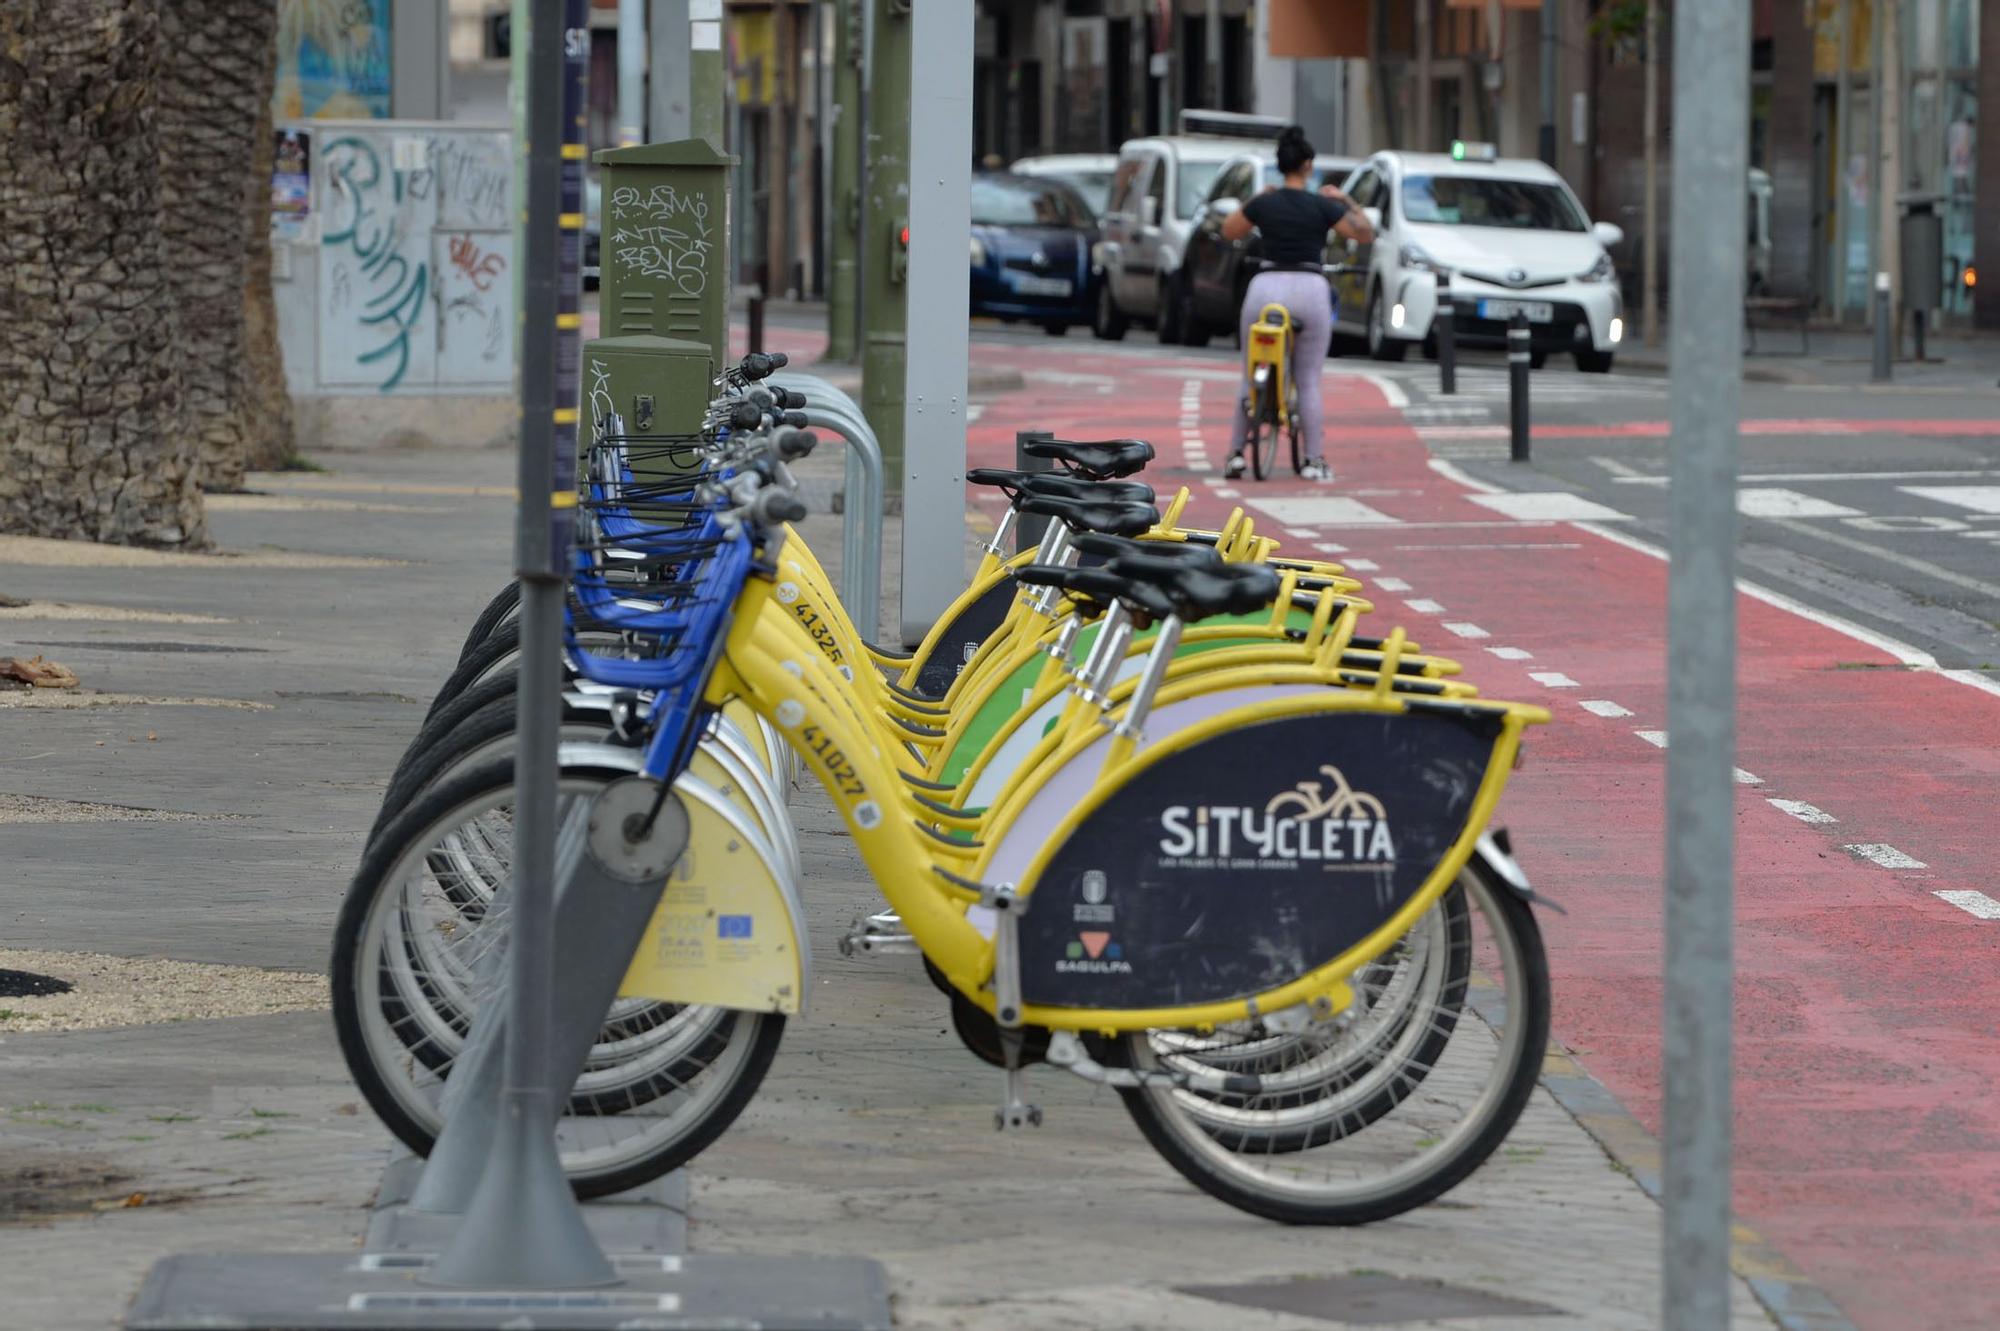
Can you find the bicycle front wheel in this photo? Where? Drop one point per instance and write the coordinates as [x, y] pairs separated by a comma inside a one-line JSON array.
[[1365, 1149], [1263, 429], [1297, 436]]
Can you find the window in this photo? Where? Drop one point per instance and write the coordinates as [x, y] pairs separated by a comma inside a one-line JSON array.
[[1521, 205], [1238, 182], [1023, 202], [1123, 197], [1156, 189], [1367, 189], [1196, 177]]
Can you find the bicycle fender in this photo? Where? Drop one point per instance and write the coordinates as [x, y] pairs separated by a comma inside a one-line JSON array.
[[1495, 854]]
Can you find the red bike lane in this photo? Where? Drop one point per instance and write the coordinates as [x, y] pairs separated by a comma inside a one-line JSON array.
[[1868, 1128]]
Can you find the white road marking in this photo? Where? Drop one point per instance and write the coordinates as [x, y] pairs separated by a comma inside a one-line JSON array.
[[1497, 545], [1656, 738], [1978, 498], [1615, 467], [1465, 478], [1226, 493], [1391, 391], [1884, 553], [1303, 533], [1886, 856], [1744, 778], [1323, 511], [1423, 605], [1804, 812], [1604, 707], [1366, 566], [1386, 584], [1199, 464], [1511, 653], [1973, 903], [1552, 679], [1823, 476], [1329, 547], [1774, 503], [1550, 506], [1465, 630]]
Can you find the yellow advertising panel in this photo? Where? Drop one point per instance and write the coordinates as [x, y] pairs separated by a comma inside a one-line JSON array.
[[725, 933]]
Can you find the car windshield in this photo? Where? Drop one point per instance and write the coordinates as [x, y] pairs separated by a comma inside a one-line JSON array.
[[1524, 205], [1196, 177], [1094, 186], [1022, 202]]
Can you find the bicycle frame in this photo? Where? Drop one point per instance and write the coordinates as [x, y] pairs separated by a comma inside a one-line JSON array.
[[1269, 349]]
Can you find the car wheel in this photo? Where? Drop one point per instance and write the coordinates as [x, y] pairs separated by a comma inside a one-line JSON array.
[[1380, 345], [1594, 362], [1109, 321], [1193, 331], [1056, 328], [1168, 324]]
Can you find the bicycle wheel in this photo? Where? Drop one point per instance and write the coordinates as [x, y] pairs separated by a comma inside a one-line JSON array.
[[1297, 435], [1263, 428], [413, 960], [1460, 1105], [504, 608]]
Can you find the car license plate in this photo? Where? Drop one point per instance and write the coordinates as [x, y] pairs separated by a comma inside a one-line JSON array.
[[1538, 311], [1043, 286]]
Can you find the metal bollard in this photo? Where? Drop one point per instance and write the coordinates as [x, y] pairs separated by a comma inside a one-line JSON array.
[[1883, 332], [1519, 355], [757, 313], [1028, 528], [1447, 337]]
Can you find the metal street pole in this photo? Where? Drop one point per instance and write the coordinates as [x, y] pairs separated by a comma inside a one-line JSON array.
[[884, 315], [522, 1229], [1212, 57], [705, 73], [1710, 163], [1650, 289], [1424, 143], [940, 217], [843, 322], [631, 72], [1546, 143], [667, 112]]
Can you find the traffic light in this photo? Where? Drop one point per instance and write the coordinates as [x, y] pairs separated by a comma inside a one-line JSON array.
[[899, 252]]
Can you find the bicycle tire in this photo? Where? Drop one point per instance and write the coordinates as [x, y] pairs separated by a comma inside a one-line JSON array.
[[1209, 1166], [1263, 431], [502, 609], [755, 1034], [1297, 434]]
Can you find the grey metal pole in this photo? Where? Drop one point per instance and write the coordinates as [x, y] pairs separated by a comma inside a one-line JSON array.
[[1711, 149], [631, 72], [932, 386], [1650, 280], [843, 303], [667, 119], [1883, 369], [1546, 142], [1447, 337], [522, 1229], [1520, 358]]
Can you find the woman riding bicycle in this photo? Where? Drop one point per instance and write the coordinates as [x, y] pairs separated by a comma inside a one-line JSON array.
[[1293, 221]]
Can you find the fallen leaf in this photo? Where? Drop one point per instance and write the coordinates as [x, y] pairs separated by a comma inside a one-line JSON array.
[[38, 672], [152, 735]]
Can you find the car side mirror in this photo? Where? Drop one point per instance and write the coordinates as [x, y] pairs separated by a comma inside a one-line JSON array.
[[1221, 208], [1149, 211], [1374, 216], [1608, 233]]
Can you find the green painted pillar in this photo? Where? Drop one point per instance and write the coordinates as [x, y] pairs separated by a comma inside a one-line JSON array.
[[705, 73], [884, 316], [844, 221]]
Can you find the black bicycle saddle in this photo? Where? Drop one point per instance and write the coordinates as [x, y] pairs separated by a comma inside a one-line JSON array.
[[1094, 460], [1198, 591], [1111, 549], [1062, 484], [1097, 588], [1118, 519]]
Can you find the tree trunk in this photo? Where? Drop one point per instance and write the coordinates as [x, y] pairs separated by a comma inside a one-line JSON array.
[[95, 441], [266, 404], [215, 91]]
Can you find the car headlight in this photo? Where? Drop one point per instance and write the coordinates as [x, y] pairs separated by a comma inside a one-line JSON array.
[[1417, 257], [978, 252], [1599, 271]]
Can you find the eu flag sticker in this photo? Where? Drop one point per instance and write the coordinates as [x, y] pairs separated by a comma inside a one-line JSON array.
[[733, 926]]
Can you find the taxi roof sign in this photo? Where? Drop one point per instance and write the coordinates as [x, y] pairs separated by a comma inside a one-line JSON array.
[[1468, 150]]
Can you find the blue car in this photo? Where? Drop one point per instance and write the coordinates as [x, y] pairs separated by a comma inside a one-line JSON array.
[[1031, 251]]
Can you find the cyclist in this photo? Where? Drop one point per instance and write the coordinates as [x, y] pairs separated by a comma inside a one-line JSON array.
[[1293, 221]]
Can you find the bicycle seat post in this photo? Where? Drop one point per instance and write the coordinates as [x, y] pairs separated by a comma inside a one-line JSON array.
[[1133, 727]]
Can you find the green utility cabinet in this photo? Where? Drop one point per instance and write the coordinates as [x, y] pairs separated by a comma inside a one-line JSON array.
[[663, 256]]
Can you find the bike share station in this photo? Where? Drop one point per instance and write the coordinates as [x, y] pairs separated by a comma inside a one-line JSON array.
[[1256, 923]]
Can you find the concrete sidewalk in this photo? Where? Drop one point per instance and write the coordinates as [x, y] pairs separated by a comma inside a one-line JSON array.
[[258, 738]]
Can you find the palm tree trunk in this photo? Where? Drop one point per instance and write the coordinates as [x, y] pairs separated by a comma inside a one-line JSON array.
[[266, 405], [215, 91], [95, 441]]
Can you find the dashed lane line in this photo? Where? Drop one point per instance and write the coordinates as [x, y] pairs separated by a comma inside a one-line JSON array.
[[1423, 605], [1465, 630], [1512, 653], [1604, 707], [1887, 856], [1972, 902], [1552, 679], [1387, 584], [1804, 812]]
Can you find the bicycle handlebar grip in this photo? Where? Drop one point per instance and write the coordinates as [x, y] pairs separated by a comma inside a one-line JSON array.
[[756, 365], [791, 399], [796, 419], [745, 416], [773, 506], [777, 360], [761, 396], [796, 443]]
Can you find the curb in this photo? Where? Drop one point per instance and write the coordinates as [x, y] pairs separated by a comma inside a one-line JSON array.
[[1784, 1291], [847, 378]]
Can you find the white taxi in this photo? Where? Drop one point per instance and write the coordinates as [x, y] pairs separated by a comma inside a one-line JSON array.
[[1509, 237]]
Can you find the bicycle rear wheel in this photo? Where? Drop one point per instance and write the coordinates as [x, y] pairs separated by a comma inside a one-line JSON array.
[[1297, 436], [1371, 1150], [1263, 427]]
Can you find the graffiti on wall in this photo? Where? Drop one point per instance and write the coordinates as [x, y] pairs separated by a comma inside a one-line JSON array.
[[415, 259], [662, 232], [333, 60]]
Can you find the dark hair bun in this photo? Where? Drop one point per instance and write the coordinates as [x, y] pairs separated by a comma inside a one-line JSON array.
[[1293, 149], [1292, 134]]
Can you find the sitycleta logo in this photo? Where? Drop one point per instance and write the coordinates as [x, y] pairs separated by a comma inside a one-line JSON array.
[[1325, 821]]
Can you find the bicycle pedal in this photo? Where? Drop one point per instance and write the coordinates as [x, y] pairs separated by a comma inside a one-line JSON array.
[[1017, 1116], [874, 938]]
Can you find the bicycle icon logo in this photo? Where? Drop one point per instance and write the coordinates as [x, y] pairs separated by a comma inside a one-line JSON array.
[[1341, 801]]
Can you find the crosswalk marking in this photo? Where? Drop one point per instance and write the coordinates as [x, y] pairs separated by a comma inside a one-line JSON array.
[[1549, 506], [1778, 503], [1978, 498]]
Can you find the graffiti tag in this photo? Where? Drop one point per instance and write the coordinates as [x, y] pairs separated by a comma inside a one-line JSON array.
[[662, 233]]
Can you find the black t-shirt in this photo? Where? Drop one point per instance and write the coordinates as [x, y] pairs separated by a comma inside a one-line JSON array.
[[1294, 223]]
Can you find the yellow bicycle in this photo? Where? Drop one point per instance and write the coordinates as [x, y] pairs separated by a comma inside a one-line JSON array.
[[1273, 401]]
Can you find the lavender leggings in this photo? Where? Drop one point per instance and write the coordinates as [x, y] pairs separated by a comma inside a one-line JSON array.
[[1310, 300]]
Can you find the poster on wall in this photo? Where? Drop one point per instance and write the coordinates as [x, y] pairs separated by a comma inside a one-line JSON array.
[[291, 185], [333, 60]]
